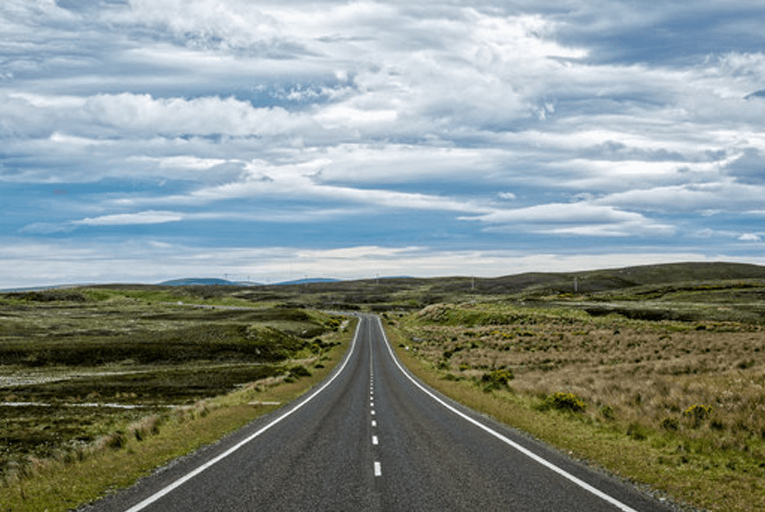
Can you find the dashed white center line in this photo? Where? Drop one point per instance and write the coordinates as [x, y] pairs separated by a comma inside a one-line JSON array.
[[375, 441], [378, 469], [374, 423], [373, 413]]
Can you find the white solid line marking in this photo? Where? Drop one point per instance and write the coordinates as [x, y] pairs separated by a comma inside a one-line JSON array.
[[378, 469], [374, 423], [581, 483], [154, 497], [374, 440]]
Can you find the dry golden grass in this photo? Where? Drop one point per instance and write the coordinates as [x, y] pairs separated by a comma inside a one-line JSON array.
[[645, 371], [694, 392]]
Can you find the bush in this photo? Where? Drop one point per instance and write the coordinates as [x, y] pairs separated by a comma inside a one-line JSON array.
[[698, 412], [497, 379], [564, 402], [670, 424], [298, 371]]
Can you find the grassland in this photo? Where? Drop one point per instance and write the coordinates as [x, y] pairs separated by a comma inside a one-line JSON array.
[[88, 373], [678, 405], [654, 372]]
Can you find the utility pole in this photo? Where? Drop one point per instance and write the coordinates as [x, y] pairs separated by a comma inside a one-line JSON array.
[[472, 283], [576, 284]]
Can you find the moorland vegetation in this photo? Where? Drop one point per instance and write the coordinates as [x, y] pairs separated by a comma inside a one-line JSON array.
[[656, 373], [89, 371]]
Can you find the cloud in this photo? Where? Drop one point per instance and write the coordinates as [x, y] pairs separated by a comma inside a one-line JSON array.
[[546, 120], [45, 228], [578, 218], [748, 167], [141, 115], [122, 219], [750, 237], [722, 196]]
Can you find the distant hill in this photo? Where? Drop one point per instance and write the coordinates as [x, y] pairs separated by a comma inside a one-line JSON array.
[[311, 280], [609, 279]]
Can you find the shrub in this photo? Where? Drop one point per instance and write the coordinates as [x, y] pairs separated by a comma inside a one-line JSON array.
[[698, 412], [298, 371], [497, 379], [670, 424], [564, 401]]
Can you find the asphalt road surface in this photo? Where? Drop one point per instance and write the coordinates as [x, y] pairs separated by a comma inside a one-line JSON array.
[[372, 438]]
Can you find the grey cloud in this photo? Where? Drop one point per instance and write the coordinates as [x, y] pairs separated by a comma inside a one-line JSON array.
[[612, 150], [749, 168]]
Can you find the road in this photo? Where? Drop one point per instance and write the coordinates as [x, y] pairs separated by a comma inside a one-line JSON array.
[[370, 438]]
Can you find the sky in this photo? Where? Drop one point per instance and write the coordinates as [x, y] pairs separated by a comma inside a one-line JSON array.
[[145, 140]]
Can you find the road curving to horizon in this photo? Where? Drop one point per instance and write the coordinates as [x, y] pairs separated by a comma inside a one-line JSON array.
[[373, 438]]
